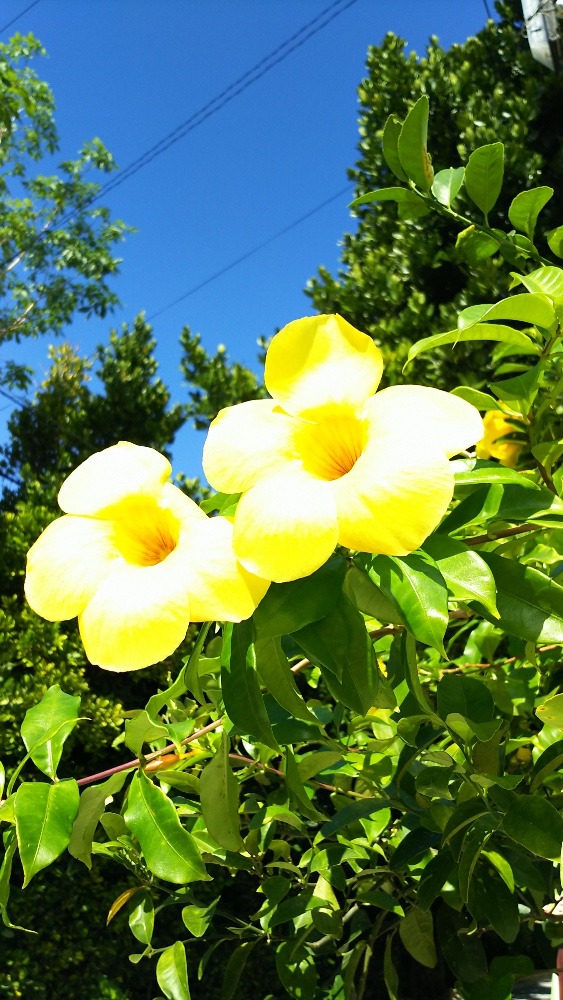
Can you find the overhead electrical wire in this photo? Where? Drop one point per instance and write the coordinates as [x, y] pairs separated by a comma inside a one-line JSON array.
[[250, 253], [17, 17]]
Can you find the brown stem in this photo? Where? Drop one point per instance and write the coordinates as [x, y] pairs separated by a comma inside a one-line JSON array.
[[492, 536]]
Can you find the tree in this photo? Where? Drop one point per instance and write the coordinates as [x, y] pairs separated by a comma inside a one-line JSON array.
[[57, 244], [401, 278]]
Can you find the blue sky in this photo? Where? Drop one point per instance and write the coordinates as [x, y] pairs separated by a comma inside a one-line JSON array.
[[131, 71]]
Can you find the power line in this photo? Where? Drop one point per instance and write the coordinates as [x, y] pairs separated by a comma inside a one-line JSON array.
[[255, 73], [17, 17], [250, 253]]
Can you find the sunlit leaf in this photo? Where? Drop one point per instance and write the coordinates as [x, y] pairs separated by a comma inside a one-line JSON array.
[[240, 684], [481, 331], [447, 184], [535, 824], [44, 816], [416, 931], [219, 790], [391, 133], [526, 206], [412, 143], [484, 174], [47, 725], [172, 972]]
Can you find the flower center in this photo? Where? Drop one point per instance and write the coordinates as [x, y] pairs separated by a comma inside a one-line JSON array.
[[145, 534], [330, 448]]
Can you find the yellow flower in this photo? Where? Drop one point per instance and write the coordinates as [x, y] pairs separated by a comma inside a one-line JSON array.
[[499, 425], [326, 462], [136, 560]]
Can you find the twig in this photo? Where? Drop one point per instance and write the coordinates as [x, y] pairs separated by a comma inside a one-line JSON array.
[[492, 536]]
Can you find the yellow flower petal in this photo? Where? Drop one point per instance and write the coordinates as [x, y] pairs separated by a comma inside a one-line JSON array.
[[285, 526], [138, 616], [245, 442], [321, 365], [220, 588], [66, 565], [394, 496], [416, 411], [112, 476], [498, 425]]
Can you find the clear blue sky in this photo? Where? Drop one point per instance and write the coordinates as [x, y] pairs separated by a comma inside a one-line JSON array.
[[131, 71]]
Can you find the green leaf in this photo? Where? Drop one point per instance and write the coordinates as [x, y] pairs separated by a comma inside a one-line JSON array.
[[241, 688], [273, 666], [341, 646], [547, 279], [464, 953], [234, 969], [296, 788], [369, 598], [519, 392], [411, 146], [418, 590], [550, 712], [351, 814], [467, 576], [44, 816], [491, 902], [407, 646], [481, 400], [530, 604], [390, 974], [499, 502], [391, 133], [47, 725], [447, 184], [172, 972], [287, 607], [466, 696], [555, 240], [473, 846], [141, 729], [530, 308], [484, 175], [525, 208], [472, 472], [297, 970], [473, 246], [548, 761], [169, 850], [535, 824], [198, 918], [481, 331], [405, 198], [141, 918], [436, 872], [92, 805], [416, 931], [219, 790]]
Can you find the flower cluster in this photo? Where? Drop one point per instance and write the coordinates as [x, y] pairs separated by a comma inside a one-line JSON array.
[[324, 462]]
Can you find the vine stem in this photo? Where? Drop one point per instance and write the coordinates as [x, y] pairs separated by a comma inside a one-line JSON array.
[[518, 529], [91, 778]]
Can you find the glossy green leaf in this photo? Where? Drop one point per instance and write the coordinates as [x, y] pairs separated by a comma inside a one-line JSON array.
[[525, 208], [369, 598], [549, 761], [555, 240], [481, 400], [530, 603], [297, 970], [447, 184], [172, 972], [235, 967], [418, 590], [240, 684], [391, 133], [416, 931], [412, 143], [511, 501], [463, 815], [550, 712], [405, 197], [219, 790], [297, 790], [141, 918], [413, 846], [519, 392], [140, 730], [473, 246], [47, 725], [490, 902], [473, 846], [273, 666], [463, 952], [467, 576], [351, 814], [535, 824], [92, 805], [502, 866], [547, 279], [479, 332], [473, 472], [525, 308], [198, 918], [170, 852], [466, 696], [343, 649], [436, 873], [290, 606], [44, 816], [406, 645], [484, 174], [10, 848]]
